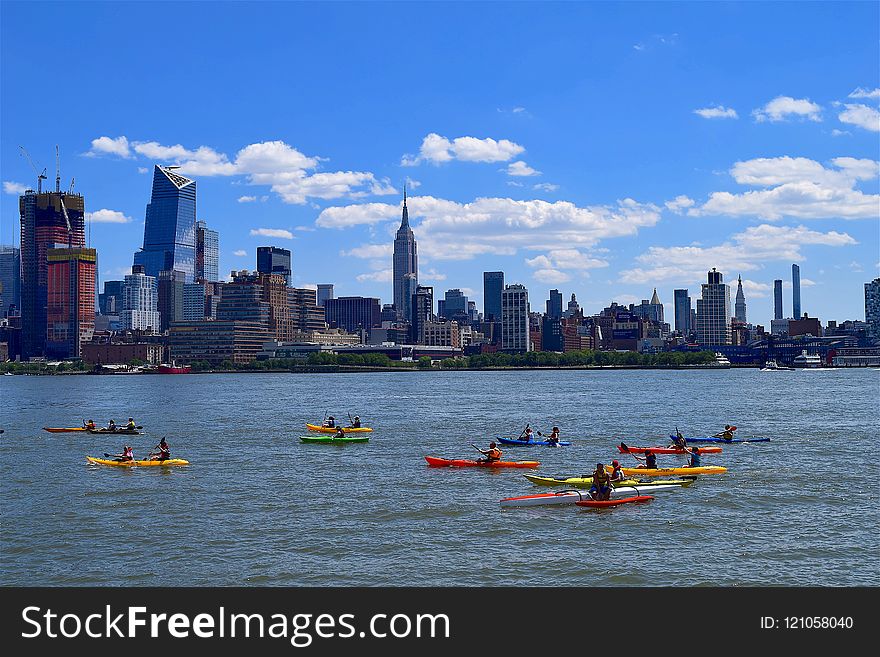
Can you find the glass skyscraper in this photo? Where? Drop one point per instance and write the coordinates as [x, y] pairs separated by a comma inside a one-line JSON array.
[[274, 260], [10, 279], [207, 253], [777, 299], [405, 260], [554, 304], [493, 286], [682, 303], [795, 292], [170, 227]]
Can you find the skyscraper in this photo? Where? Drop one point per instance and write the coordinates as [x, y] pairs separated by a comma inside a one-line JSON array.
[[353, 313], [169, 297], [515, 318], [207, 253], [713, 311], [70, 301], [10, 279], [872, 307], [140, 301], [778, 312], [739, 308], [456, 306], [422, 312], [682, 303], [275, 260], [554, 305], [170, 226], [493, 286], [48, 219], [795, 292], [405, 260], [325, 291], [410, 285], [573, 309], [110, 300]]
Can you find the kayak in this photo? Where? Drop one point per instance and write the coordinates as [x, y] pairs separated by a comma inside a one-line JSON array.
[[151, 463], [436, 462], [124, 432], [601, 504], [63, 429], [661, 472], [529, 443], [333, 440], [626, 449], [713, 439], [318, 427], [571, 496], [586, 482]]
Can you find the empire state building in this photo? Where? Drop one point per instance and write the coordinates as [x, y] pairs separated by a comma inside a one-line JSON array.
[[406, 261]]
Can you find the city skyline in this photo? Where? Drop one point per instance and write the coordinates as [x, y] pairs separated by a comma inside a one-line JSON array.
[[607, 205]]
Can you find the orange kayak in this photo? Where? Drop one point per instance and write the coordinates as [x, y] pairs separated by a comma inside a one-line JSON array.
[[436, 462], [623, 448], [63, 429], [601, 504]]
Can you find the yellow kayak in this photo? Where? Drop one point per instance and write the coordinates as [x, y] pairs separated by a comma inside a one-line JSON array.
[[318, 427], [151, 463], [586, 482], [662, 472]]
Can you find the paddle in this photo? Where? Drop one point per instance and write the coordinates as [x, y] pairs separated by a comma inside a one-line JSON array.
[[523, 432]]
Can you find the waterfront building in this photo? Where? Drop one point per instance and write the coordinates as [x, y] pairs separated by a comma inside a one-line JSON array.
[[170, 226], [423, 312], [275, 260], [872, 307], [493, 286], [169, 295], [48, 220], [573, 309], [216, 341], [258, 297], [805, 326], [70, 301], [140, 302], [326, 336], [441, 334], [554, 305], [10, 280], [122, 353], [515, 318], [713, 311], [110, 301], [352, 313], [207, 253], [325, 291], [305, 313], [405, 260], [739, 308], [778, 312], [682, 304], [779, 326], [795, 291]]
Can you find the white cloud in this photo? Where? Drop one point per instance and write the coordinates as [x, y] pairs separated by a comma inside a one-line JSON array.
[[839, 133], [862, 116], [412, 184], [745, 251], [679, 204], [308, 229], [520, 168], [515, 183], [381, 276], [865, 93], [551, 276], [717, 112], [783, 107], [546, 187], [272, 232], [107, 217], [370, 251], [437, 149], [797, 187], [565, 259], [14, 188], [854, 266], [247, 199], [239, 252], [109, 146], [434, 275], [753, 289]]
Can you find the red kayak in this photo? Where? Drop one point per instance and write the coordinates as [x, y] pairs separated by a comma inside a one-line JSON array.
[[436, 462], [601, 504], [623, 448]]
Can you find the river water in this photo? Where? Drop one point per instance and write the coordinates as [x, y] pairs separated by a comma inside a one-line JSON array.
[[258, 507]]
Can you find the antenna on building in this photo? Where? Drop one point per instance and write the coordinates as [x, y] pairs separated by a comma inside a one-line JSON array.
[[57, 170]]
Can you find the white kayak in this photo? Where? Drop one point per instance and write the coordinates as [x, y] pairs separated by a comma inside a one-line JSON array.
[[572, 496]]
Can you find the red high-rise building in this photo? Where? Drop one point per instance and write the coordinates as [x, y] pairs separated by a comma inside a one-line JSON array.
[[70, 301]]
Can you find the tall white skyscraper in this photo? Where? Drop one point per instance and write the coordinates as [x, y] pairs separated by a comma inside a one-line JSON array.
[[713, 311], [140, 301], [515, 318]]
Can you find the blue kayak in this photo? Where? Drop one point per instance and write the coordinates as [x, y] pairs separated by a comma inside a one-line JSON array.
[[529, 443], [712, 439]]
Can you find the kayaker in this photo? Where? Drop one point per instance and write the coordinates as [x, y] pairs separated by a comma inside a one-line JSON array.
[[617, 472], [127, 454], [553, 438], [111, 426], [340, 433], [164, 451], [601, 488], [650, 460], [727, 434], [330, 422], [91, 426], [679, 441], [527, 434], [356, 424], [694, 460], [131, 425], [491, 454]]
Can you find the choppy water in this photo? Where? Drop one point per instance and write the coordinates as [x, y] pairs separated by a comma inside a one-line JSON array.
[[259, 507]]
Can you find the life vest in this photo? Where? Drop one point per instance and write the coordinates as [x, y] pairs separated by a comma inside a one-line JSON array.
[[617, 474], [651, 461], [130, 425], [129, 454], [494, 454], [601, 478]]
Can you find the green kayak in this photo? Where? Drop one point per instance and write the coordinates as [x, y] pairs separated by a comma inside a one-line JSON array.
[[333, 440]]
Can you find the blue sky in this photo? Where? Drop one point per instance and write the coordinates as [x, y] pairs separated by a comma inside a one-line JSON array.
[[601, 149]]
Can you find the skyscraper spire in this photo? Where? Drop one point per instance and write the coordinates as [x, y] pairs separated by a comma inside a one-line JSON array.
[[404, 261], [740, 305], [405, 219]]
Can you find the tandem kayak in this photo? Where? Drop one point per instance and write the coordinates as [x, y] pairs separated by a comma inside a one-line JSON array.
[[601, 504], [124, 432], [129, 464], [623, 448], [63, 429], [713, 439], [333, 440], [318, 427], [662, 472], [586, 482], [572, 496], [529, 443], [436, 462]]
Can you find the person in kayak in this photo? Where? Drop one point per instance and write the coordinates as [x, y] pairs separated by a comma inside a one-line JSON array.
[[527, 434], [553, 438], [91, 426], [650, 460], [330, 422], [617, 472], [163, 453], [694, 460], [339, 433], [601, 488], [492, 454], [727, 434], [127, 454], [131, 425], [356, 423], [679, 441], [111, 426]]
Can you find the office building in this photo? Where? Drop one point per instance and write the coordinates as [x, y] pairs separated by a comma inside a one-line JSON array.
[[573, 309], [493, 286], [682, 304], [70, 301], [410, 285], [440, 334], [194, 297], [10, 280], [795, 292], [305, 313], [739, 308], [713, 311], [554, 306], [259, 298], [110, 300], [325, 291], [48, 220], [455, 306], [778, 312], [216, 341], [515, 319], [140, 302], [352, 313], [872, 307], [207, 253], [170, 226], [169, 296], [275, 260], [423, 312], [651, 310], [405, 261]]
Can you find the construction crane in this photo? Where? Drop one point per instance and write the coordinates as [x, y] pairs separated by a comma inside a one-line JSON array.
[[70, 189], [40, 176], [57, 170]]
